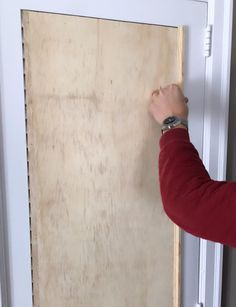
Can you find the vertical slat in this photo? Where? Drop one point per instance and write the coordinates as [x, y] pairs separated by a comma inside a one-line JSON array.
[[177, 230]]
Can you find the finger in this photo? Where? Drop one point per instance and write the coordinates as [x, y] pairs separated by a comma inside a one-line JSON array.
[[156, 92]]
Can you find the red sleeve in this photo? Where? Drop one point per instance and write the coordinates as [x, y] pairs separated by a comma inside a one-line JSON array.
[[201, 206]]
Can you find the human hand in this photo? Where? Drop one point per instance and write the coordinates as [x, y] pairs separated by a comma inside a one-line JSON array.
[[168, 101]]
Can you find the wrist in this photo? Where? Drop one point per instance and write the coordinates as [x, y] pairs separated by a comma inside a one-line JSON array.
[[172, 122]]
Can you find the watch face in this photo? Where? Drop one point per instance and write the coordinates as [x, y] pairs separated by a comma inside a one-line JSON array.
[[169, 120]]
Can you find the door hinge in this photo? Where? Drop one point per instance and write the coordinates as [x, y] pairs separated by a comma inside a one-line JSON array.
[[208, 41]]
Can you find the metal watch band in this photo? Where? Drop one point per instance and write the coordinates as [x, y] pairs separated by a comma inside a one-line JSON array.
[[177, 122]]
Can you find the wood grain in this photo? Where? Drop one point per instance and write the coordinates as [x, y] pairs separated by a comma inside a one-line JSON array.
[[100, 237]]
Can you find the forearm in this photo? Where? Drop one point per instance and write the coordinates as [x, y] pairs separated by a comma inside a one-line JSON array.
[[201, 206]]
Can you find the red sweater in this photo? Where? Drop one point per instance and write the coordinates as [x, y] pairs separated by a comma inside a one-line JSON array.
[[201, 206]]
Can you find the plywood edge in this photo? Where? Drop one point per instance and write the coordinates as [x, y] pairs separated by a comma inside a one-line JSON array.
[[177, 231], [177, 267], [25, 23], [180, 54]]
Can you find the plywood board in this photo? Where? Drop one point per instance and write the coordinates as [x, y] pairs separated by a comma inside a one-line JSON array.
[[100, 237]]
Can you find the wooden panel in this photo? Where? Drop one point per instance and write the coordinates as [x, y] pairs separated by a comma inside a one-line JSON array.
[[100, 237]]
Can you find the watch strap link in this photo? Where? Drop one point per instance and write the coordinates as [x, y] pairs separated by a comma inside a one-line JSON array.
[[172, 122]]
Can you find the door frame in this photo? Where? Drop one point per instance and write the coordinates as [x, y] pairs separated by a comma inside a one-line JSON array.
[[220, 16], [15, 252]]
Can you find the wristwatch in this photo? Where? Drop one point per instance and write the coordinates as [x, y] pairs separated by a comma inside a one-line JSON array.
[[172, 122]]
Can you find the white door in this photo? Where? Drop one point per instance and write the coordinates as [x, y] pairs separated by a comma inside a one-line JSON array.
[[191, 14]]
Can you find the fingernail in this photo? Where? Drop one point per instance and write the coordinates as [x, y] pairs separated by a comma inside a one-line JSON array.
[[156, 92]]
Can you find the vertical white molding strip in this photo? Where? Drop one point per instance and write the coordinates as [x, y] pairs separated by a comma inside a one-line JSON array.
[[223, 132], [4, 280], [218, 270], [202, 271], [225, 87], [215, 138]]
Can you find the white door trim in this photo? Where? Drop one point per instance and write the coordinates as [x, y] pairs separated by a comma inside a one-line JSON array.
[[12, 102], [220, 15], [170, 12]]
